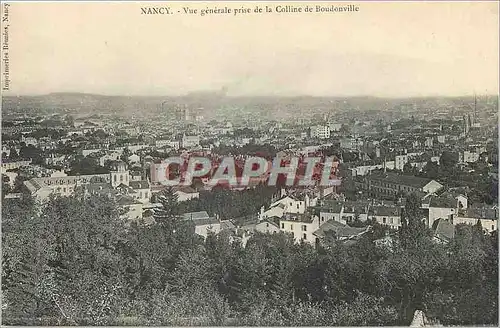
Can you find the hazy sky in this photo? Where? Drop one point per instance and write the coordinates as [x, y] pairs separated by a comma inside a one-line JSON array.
[[385, 49]]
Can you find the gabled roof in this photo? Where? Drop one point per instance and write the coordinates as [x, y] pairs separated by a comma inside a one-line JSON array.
[[297, 217], [340, 230], [227, 225], [445, 200], [201, 215], [443, 229], [384, 211], [482, 212], [208, 221]]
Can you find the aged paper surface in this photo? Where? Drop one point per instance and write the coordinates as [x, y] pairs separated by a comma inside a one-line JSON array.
[[249, 163]]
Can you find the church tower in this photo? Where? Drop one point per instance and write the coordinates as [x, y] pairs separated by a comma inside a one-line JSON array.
[[119, 174]]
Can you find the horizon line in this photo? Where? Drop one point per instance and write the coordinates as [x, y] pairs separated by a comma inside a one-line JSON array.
[[221, 95]]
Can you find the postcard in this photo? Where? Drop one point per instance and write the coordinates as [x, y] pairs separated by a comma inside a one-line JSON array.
[[249, 163]]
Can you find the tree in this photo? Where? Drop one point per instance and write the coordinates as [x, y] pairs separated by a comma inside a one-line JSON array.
[[408, 169], [449, 159], [13, 155], [170, 208], [413, 228], [431, 170], [125, 155]]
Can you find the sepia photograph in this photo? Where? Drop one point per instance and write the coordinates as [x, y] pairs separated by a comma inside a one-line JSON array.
[[249, 163]]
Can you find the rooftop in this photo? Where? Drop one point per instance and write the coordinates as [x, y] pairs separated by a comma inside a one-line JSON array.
[[443, 229], [384, 211], [406, 180], [340, 230], [202, 215]]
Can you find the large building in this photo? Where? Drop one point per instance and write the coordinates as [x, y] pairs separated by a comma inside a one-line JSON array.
[[393, 184], [320, 132], [118, 181]]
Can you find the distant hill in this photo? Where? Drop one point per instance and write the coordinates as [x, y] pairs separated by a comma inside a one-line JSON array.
[[208, 103]]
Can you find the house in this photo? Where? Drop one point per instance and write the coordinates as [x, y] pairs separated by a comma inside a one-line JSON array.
[[203, 223], [134, 158], [386, 215], [131, 209], [140, 190], [392, 184], [400, 162], [333, 211], [300, 226], [186, 193], [14, 165], [42, 188], [486, 216], [339, 231], [291, 204], [264, 226], [276, 210], [60, 185], [109, 156], [439, 207], [190, 141]]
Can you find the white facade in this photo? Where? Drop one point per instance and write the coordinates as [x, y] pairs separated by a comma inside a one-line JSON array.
[[320, 131], [470, 157], [334, 127], [393, 221], [301, 231], [203, 230], [190, 141], [400, 162], [291, 205], [487, 224], [111, 156], [429, 142], [184, 196], [440, 213]]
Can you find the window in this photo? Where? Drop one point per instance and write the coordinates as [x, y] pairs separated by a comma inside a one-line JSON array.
[[492, 227], [304, 228], [114, 178], [140, 194], [322, 219], [267, 225], [384, 220], [290, 204], [64, 189], [391, 220], [293, 235], [121, 178], [304, 236], [282, 226], [291, 226]]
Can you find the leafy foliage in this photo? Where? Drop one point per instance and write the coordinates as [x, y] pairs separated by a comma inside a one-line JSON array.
[[73, 261]]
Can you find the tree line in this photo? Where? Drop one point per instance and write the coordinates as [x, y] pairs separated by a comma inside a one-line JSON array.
[[74, 261]]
